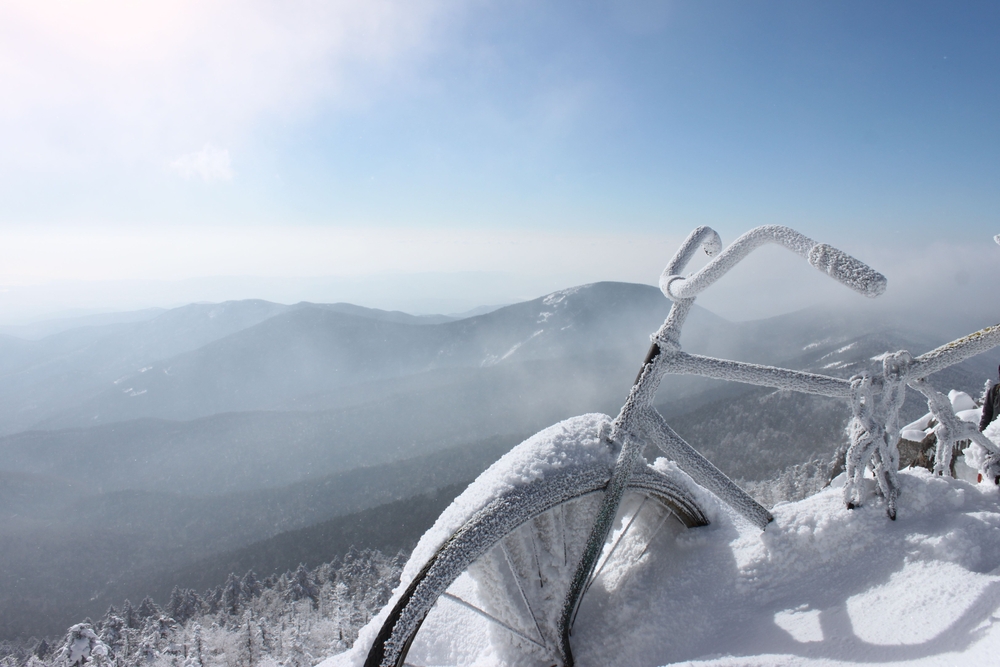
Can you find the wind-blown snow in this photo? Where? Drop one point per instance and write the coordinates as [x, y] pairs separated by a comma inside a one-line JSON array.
[[822, 586]]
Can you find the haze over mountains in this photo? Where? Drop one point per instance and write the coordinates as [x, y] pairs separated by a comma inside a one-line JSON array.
[[133, 449]]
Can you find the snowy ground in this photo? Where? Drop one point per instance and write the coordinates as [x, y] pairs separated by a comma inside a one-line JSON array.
[[821, 586], [825, 586]]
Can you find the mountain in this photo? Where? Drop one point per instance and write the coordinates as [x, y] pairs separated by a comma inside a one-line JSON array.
[[44, 328], [39, 378], [69, 550], [308, 354], [389, 528], [135, 449]]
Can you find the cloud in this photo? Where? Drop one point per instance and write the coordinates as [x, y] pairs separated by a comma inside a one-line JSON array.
[[210, 164], [125, 81]]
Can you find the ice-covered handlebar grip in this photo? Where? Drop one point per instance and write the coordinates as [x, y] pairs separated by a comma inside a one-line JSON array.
[[845, 269]]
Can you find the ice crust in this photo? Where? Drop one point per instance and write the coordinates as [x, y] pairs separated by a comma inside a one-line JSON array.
[[838, 265], [575, 441]]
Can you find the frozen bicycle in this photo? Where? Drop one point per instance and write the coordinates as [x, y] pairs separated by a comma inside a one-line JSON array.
[[553, 530]]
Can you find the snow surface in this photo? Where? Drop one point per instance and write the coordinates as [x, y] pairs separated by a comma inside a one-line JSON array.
[[965, 409], [822, 586], [573, 442]]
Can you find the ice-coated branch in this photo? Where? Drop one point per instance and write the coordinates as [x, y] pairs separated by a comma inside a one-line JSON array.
[[683, 363], [831, 261], [701, 469]]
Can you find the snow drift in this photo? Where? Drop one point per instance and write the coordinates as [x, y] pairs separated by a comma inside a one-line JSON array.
[[823, 585]]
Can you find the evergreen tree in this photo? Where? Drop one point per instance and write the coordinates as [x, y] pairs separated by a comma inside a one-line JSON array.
[[302, 586], [270, 628], [130, 617], [113, 631], [196, 657], [184, 604], [213, 598], [232, 594], [175, 604], [251, 588], [82, 646], [147, 609]]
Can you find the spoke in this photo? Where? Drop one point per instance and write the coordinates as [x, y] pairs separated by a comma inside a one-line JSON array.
[[491, 618], [597, 573], [562, 522], [617, 542], [666, 515], [538, 565], [524, 598]]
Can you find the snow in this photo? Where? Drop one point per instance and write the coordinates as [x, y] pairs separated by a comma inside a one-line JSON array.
[[822, 586], [972, 415], [828, 586], [919, 425], [557, 298], [965, 409], [493, 360], [961, 401], [574, 442]]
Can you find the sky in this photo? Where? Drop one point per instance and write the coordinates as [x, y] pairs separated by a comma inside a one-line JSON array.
[[432, 156]]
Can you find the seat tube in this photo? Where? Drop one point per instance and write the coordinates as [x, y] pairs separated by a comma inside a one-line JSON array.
[[626, 432]]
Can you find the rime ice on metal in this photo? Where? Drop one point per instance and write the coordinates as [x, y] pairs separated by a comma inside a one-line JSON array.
[[594, 453], [877, 399]]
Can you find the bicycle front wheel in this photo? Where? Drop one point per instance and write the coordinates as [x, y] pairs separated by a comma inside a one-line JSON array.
[[493, 592]]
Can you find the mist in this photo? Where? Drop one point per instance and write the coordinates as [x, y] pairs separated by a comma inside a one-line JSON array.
[[135, 445]]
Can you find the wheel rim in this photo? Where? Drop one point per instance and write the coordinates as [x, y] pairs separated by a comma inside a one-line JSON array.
[[505, 605]]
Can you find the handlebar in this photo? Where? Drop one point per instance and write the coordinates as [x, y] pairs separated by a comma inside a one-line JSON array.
[[835, 263]]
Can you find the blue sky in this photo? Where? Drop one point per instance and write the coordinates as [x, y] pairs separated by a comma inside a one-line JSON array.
[[549, 141]]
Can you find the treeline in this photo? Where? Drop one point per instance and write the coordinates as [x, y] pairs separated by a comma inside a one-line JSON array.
[[292, 620], [795, 482]]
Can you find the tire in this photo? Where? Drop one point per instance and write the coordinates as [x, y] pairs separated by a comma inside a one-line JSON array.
[[518, 555]]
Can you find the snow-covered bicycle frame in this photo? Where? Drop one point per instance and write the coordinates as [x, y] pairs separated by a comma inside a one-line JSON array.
[[639, 422], [875, 398]]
